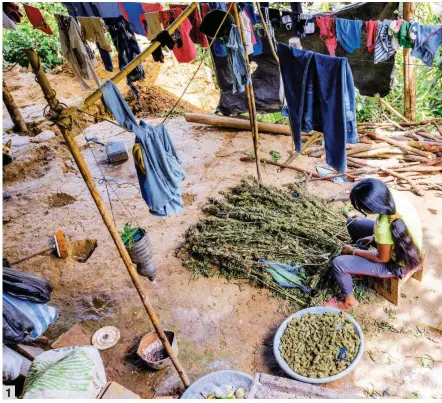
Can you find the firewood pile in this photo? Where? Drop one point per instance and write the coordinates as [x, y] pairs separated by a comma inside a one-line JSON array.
[[407, 155]]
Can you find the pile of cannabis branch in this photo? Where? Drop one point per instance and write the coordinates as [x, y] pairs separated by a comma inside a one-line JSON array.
[[253, 222]]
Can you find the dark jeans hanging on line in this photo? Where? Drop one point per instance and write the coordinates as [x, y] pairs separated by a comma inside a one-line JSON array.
[[345, 266], [125, 42], [320, 96]]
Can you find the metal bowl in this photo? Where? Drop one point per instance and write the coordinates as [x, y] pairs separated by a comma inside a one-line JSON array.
[[316, 310]]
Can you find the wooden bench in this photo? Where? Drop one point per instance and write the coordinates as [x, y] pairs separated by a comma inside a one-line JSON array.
[[390, 287]]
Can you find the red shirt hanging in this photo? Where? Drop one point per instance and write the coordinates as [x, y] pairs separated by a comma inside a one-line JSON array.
[[37, 20]]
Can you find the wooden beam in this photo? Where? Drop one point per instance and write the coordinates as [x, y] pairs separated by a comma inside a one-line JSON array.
[[236, 123], [14, 112], [409, 71]]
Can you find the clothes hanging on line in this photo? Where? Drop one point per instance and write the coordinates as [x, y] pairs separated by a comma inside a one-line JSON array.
[[37, 20], [184, 50], [327, 32], [195, 34], [348, 33], [8, 23], [403, 36], [12, 11], [93, 30], [237, 60], [384, 48], [102, 10], [427, 42], [160, 183], [153, 25], [247, 32], [320, 96], [166, 40], [371, 28], [134, 14], [75, 51], [127, 47]]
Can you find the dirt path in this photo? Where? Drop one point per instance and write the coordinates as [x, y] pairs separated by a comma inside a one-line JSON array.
[[220, 325]]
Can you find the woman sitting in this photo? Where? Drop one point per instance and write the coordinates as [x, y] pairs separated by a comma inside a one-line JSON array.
[[396, 234]]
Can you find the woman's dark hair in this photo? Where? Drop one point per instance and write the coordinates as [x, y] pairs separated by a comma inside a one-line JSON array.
[[371, 196]]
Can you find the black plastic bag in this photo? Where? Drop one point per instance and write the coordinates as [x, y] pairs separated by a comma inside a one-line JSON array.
[[16, 325], [26, 286]]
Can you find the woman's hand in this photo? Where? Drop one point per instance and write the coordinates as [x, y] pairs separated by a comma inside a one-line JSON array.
[[366, 241], [348, 250]]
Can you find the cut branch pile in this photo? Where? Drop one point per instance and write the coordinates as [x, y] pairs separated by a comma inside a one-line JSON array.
[[253, 222], [407, 156]]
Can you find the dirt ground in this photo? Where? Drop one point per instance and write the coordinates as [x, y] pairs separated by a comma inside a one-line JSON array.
[[219, 324]]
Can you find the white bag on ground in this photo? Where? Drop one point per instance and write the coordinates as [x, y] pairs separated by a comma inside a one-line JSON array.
[[11, 365], [66, 373]]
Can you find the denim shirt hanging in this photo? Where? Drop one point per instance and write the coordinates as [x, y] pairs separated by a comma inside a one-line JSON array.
[[160, 184], [320, 96]]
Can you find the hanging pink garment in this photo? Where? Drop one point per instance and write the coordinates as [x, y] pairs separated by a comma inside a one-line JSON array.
[[327, 31]]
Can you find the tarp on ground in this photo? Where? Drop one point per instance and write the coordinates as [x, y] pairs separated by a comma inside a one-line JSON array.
[[369, 78]]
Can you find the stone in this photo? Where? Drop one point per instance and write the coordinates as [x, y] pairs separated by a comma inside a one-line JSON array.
[[69, 163], [75, 336], [17, 141], [114, 390], [43, 136]]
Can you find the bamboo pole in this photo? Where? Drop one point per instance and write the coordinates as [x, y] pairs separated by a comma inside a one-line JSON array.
[[83, 168], [249, 94], [96, 95], [14, 112], [409, 71]]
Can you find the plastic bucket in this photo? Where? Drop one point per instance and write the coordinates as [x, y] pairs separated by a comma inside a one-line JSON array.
[[316, 310]]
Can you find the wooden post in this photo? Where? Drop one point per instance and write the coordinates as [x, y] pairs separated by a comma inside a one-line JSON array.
[[250, 95], [95, 193], [14, 112], [409, 71]]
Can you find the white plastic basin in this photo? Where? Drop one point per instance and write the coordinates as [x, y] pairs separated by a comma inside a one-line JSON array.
[[316, 310]]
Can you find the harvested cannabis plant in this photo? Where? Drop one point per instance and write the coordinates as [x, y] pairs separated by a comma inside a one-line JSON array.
[[253, 222], [318, 346]]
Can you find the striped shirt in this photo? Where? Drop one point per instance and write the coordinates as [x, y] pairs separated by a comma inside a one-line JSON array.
[[383, 49]]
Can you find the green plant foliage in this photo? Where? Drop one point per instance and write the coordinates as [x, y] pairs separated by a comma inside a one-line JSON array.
[[128, 234], [26, 37]]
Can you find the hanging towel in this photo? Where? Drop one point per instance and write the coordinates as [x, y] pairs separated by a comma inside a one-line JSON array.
[[348, 33], [371, 27], [93, 30], [320, 96], [427, 42], [327, 31], [75, 51], [383, 49], [37, 20], [153, 25], [237, 60]]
